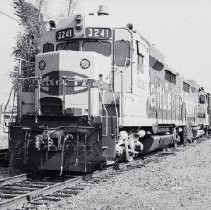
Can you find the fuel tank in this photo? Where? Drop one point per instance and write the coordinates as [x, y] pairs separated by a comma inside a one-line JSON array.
[[156, 142]]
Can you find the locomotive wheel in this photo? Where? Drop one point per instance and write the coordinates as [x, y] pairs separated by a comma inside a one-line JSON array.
[[175, 142], [102, 165], [183, 136], [176, 138], [116, 164]]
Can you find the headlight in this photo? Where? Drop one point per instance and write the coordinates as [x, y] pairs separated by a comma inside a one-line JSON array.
[[85, 64]]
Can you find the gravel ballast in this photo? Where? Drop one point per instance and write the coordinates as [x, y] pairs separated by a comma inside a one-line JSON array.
[[180, 180]]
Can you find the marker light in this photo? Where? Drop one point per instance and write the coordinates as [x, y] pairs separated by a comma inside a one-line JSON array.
[[78, 22], [52, 25], [42, 65]]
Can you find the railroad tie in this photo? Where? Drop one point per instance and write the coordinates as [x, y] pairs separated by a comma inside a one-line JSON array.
[[61, 194], [19, 188], [70, 191], [13, 191], [7, 196], [51, 198]]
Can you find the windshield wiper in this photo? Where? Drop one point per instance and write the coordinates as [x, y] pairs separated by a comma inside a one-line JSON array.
[[103, 44], [65, 44]]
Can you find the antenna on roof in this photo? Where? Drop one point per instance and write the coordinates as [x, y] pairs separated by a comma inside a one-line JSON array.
[[71, 7]]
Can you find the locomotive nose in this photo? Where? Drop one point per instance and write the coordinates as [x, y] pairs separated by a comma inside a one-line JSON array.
[[72, 64], [64, 78]]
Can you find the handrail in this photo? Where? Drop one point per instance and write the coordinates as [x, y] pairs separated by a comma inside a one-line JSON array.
[[38, 111], [89, 102], [106, 133], [87, 82], [5, 109], [117, 117], [64, 79], [78, 82]]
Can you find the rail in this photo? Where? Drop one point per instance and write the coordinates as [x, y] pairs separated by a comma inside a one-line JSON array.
[[17, 190]]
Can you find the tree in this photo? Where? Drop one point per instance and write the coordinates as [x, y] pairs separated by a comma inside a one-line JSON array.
[[28, 40]]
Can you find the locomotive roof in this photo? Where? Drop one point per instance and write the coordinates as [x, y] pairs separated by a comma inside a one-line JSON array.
[[193, 83], [105, 21], [168, 68]]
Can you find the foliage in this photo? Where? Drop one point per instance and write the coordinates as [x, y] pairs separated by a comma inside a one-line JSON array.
[[33, 25]]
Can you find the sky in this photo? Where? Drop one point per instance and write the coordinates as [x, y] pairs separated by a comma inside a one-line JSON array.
[[181, 29], [7, 41]]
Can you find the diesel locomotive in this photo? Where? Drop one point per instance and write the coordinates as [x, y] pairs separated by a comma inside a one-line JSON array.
[[101, 93]]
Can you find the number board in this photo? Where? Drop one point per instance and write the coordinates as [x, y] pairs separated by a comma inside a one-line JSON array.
[[98, 33], [64, 34]]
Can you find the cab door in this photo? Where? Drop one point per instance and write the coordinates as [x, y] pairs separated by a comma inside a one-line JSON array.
[[122, 59]]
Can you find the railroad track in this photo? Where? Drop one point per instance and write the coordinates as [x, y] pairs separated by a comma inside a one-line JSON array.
[[29, 191], [32, 190], [25, 188]]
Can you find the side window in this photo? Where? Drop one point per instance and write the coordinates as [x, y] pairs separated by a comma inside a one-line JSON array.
[[48, 47], [140, 60], [155, 64], [170, 77], [186, 87], [122, 52], [202, 99]]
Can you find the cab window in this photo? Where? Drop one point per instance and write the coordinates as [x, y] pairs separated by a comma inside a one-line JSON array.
[[122, 52], [74, 46], [48, 47]]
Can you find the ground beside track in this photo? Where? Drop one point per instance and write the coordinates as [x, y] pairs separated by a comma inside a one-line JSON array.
[[5, 170], [3, 139], [181, 180]]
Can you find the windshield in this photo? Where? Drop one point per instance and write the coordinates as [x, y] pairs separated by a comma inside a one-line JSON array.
[[68, 46], [101, 47]]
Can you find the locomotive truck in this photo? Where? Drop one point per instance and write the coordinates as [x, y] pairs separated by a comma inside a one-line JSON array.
[[101, 93]]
